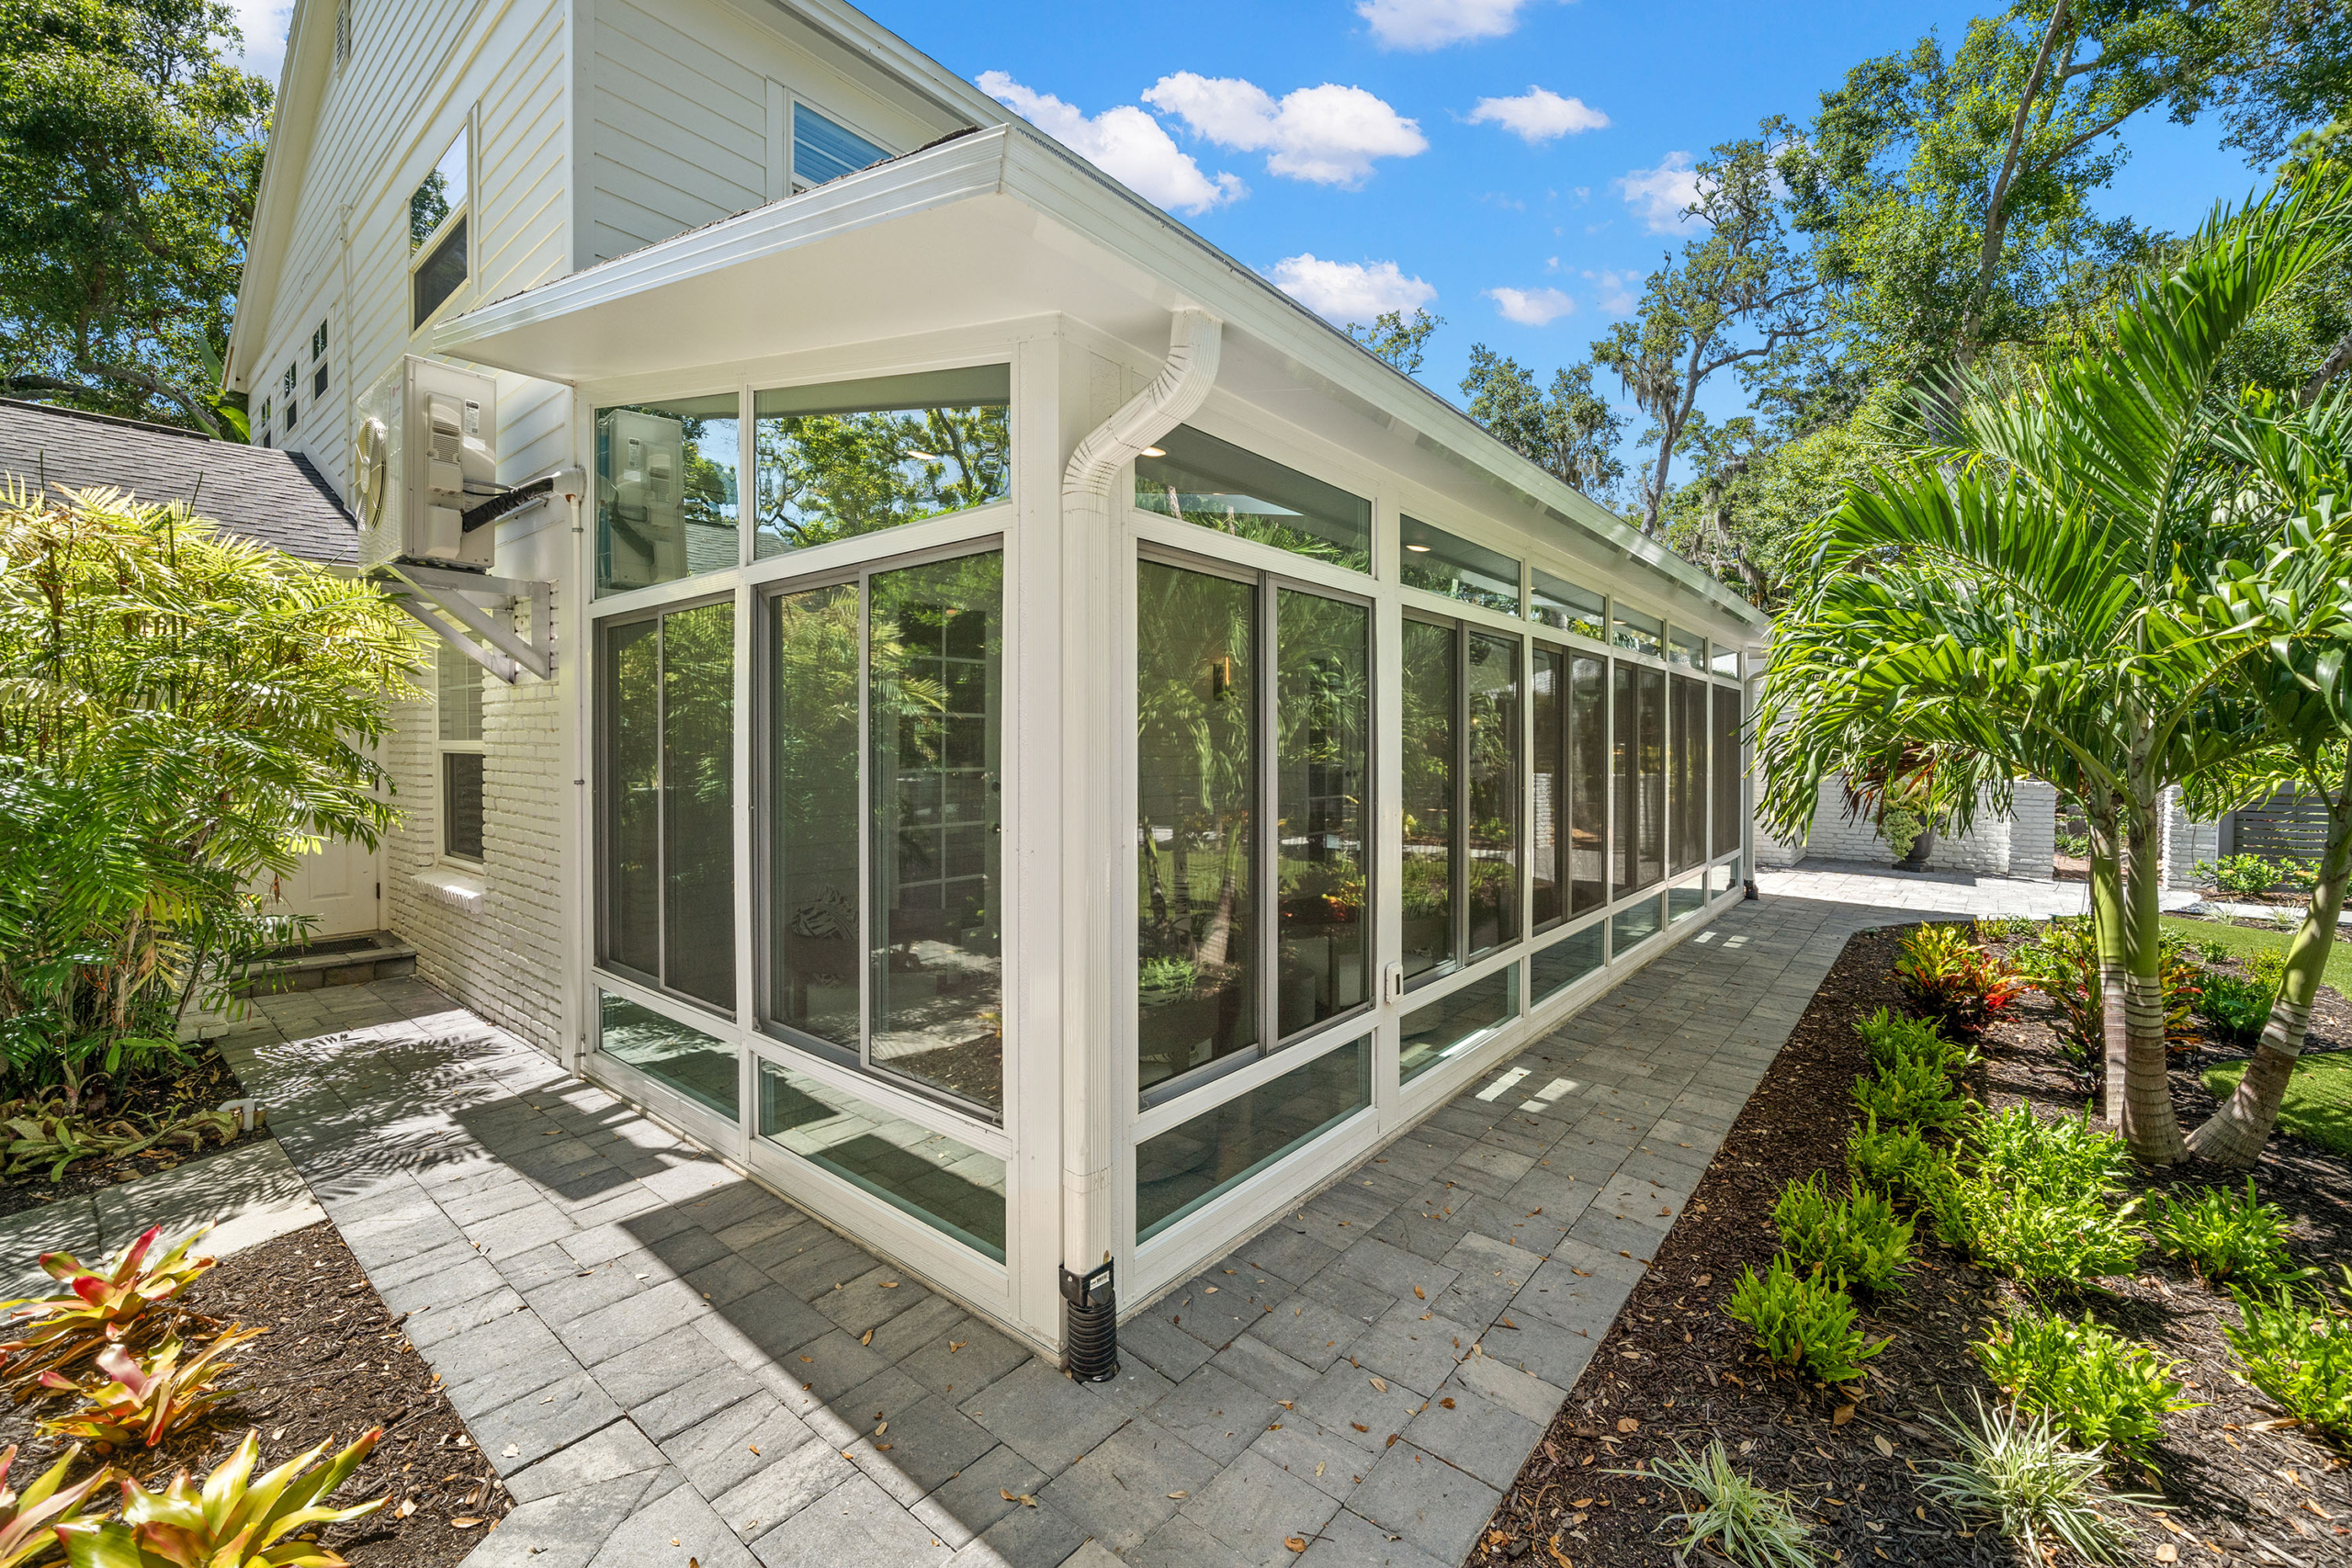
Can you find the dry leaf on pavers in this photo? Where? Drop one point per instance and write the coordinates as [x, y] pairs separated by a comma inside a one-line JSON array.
[[1024, 1498]]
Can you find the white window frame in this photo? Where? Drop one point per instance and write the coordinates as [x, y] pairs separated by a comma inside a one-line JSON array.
[[444, 748], [461, 297]]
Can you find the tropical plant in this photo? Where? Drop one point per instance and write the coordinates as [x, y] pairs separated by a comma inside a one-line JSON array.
[[1892, 1037], [2225, 1237], [2243, 874], [28, 1519], [2054, 1156], [2064, 966], [1752, 1525], [47, 1136], [1951, 980], [2235, 1008], [2033, 1201], [143, 1399], [98, 1307], [1798, 1321], [1912, 1092], [2016, 1471], [2298, 1350], [2029, 589], [2100, 1389], [233, 1521], [1897, 1161], [2266, 966], [1848, 1241]]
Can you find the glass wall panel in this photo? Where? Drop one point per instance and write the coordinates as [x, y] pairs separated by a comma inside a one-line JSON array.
[[1188, 1165], [936, 704], [686, 1059], [1687, 817], [1634, 924], [1729, 770], [665, 491], [1547, 832], [1439, 562], [1686, 899], [945, 1183], [1197, 771], [1566, 606], [1685, 649], [666, 773], [1555, 968], [1638, 771], [1723, 877], [1199, 479], [1431, 746], [1492, 823], [814, 940], [1323, 719], [1456, 1020], [854, 457], [1725, 661], [1588, 831], [698, 803], [1637, 632]]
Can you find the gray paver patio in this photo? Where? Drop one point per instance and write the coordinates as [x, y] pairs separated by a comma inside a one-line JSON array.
[[681, 1364]]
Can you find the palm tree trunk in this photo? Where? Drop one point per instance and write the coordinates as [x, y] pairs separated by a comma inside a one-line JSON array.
[[2150, 1128], [2232, 1136], [2107, 932]]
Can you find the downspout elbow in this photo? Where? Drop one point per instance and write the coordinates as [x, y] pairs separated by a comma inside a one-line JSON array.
[[1195, 340]]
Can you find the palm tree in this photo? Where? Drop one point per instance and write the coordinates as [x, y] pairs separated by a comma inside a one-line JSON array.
[[2032, 590]]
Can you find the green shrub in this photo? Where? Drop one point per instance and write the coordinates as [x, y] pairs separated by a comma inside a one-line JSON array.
[[1897, 1161], [2213, 952], [2266, 966], [1753, 1525], [2298, 1350], [2243, 874], [2063, 967], [1912, 1092], [2032, 1236], [1850, 1241], [2061, 1155], [1801, 1322], [1892, 1037], [2098, 1388], [2236, 1009], [2224, 1236], [2016, 1471], [1949, 978]]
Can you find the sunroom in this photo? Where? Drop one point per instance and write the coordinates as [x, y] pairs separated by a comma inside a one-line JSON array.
[[1074, 752]]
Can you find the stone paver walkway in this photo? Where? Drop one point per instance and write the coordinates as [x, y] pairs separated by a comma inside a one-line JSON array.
[[668, 1363]]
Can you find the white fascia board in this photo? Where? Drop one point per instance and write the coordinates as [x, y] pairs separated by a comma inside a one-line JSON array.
[[302, 89], [894, 56], [1165, 263]]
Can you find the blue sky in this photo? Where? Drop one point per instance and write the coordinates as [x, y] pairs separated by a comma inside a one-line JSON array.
[[1339, 145]]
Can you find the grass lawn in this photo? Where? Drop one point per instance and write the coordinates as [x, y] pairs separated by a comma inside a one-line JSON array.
[[2318, 1108], [2247, 939]]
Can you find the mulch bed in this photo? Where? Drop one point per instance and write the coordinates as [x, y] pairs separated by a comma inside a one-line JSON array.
[[204, 1085], [333, 1365], [1674, 1369]]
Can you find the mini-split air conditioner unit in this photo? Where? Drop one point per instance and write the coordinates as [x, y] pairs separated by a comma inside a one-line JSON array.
[[428, 467]]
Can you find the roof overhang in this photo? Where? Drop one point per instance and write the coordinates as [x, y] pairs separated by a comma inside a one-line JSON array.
[[1005, 224]]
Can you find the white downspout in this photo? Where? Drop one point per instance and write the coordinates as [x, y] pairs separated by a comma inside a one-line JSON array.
[[1090, 514]]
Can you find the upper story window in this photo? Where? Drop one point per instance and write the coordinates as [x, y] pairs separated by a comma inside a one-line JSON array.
[[436, 232], [1439, 562], [458, 739], [1195, 477], [1567, 607], [1637, 632], [852, 458], [823, 151], [666, 491]]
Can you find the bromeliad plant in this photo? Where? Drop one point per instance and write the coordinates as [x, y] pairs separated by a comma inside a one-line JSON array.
[[30, 1520], [231, 1522], [97, 1308], [141, 1400]]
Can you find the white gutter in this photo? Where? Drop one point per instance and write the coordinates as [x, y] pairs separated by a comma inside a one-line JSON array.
[[1195, 341]]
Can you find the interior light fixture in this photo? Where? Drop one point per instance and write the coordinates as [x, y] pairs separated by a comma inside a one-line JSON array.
[[1418, 550], [1153, 452]]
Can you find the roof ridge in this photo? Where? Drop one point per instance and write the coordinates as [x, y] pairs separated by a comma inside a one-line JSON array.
[[94, 418]]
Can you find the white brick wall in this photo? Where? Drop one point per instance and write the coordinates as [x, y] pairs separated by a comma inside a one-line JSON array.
[[1995, 845], [2186, 841], [503, 956], [2033, 833]]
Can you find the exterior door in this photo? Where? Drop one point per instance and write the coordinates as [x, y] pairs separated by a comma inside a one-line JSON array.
[[337, 886]]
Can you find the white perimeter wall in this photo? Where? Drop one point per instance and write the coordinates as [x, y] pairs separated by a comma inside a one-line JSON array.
[[2019, 843]]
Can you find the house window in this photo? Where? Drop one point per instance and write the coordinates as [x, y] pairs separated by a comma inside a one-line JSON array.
[[823, 151], [1195, 477], [1686, 649], [833, 462], [1252, 708], [1438, 562], [319, 342], [436, 233], [290, 379], [666, 798], [885, 890], [1460, 703], [291, 411], [1185, 1167], [943, 1181], [666, 491], [1568, 850], [262, 424], [458, 736], [1638, 772], [1686, 814], [1728, 770], [1565, 607], [1637, 632], [1452, 1024]]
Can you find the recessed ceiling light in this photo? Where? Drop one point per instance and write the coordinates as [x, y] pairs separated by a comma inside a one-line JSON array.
[[1153, 452], [1418, 550]]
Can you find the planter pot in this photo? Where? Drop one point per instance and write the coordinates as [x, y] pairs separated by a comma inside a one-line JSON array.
[[1921, 847]]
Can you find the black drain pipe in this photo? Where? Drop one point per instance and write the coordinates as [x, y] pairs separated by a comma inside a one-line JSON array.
[[1091, 1324]]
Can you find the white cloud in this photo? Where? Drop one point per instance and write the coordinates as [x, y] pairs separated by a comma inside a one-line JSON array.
[[1660, 195], [1124, 142], [1349, 291], [1538, 115], [1328, 135], [1530, 307], [1434, 23], [1616, 290], [263, 24]]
